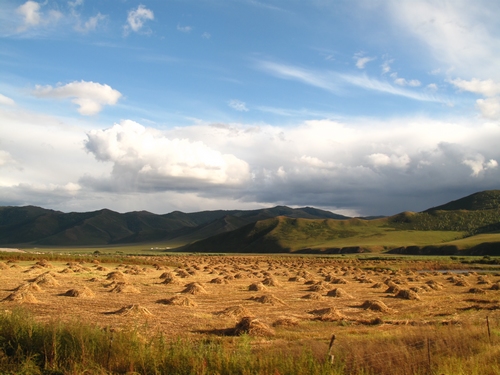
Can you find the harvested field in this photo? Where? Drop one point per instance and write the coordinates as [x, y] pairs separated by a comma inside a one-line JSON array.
[[290, 301]]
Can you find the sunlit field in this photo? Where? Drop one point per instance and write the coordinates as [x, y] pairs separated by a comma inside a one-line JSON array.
[[250, 314]]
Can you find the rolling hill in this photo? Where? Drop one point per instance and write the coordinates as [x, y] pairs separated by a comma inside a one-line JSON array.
[[30, 225], [451, 228]]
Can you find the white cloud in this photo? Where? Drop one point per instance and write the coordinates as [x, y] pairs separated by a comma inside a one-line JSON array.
[[489, 107], [478, 164], [89, 96], [6, 158], [336, 82], [456, 33], [91, 24], [404, 82], [485, 87], [362, 61], [145, 159], [206, 35], [32, 16], [238, 105], [4, 100], [383, 160], [137, 17], [184, 29]]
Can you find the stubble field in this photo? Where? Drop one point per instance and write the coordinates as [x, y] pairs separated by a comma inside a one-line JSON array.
[[405, 315]]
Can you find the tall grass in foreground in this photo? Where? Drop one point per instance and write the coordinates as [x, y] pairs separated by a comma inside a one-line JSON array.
[[28, 347]]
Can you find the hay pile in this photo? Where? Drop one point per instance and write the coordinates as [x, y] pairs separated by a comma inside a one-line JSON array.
[[134, 310], [21, 296], [219, 280], [433, 284], [115, 276], [375, 305], [178, 301], [123, 287], [407, 294], [313, 296], [327, 314], [31, 287], [477, 291], [257, 287], [83, 292], [194, 288], [286, 321], [339, 293], [271, 281], [268, 299], [3, 266], [252, 326], [234, 312], [46, 279]]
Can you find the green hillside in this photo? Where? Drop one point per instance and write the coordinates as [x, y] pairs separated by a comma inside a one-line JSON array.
[[38, 226], [285, 234]]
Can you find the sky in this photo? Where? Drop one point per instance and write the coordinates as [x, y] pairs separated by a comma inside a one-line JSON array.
[[360, 107]]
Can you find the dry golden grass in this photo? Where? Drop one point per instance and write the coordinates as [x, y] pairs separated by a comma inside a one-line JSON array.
[[304, 297]]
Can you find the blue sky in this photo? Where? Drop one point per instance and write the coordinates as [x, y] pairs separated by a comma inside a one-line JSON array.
[[360, 107]]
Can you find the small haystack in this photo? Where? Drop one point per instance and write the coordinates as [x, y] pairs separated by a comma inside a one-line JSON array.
[[271, 281], [433, 284], [46, 279], [134, 310], [253, 327], [31, 287], [257, 287], [407, 294], [21, 296], [4, 266], [327, 314], [268, 299], [339, 281], [313, 296], [234, 312], [83, 292], [339, 293], [477, 291], [115, 276], [123, 287], [219, 280], [375, 305], [194, 288], [178, 301], [287, 321]]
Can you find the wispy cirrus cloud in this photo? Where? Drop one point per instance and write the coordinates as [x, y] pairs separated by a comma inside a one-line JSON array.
[[336, 82]]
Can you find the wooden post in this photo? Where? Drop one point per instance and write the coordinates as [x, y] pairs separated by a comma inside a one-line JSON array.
[[488, 325], [429, 355], [330, 355]]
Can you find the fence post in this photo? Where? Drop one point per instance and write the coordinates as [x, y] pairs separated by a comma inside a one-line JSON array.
[[488, 325], [429, 363], [330, 355]]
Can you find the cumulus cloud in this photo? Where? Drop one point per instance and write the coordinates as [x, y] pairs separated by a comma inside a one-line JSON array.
[[238, 105], [478, 164], [89, 96], [32, 15], [137, 17], [485, 87], [6, 158], [4, 100], [145, 159], [489, 107]]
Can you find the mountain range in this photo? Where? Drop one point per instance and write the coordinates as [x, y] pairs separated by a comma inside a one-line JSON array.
[[451, 228]]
